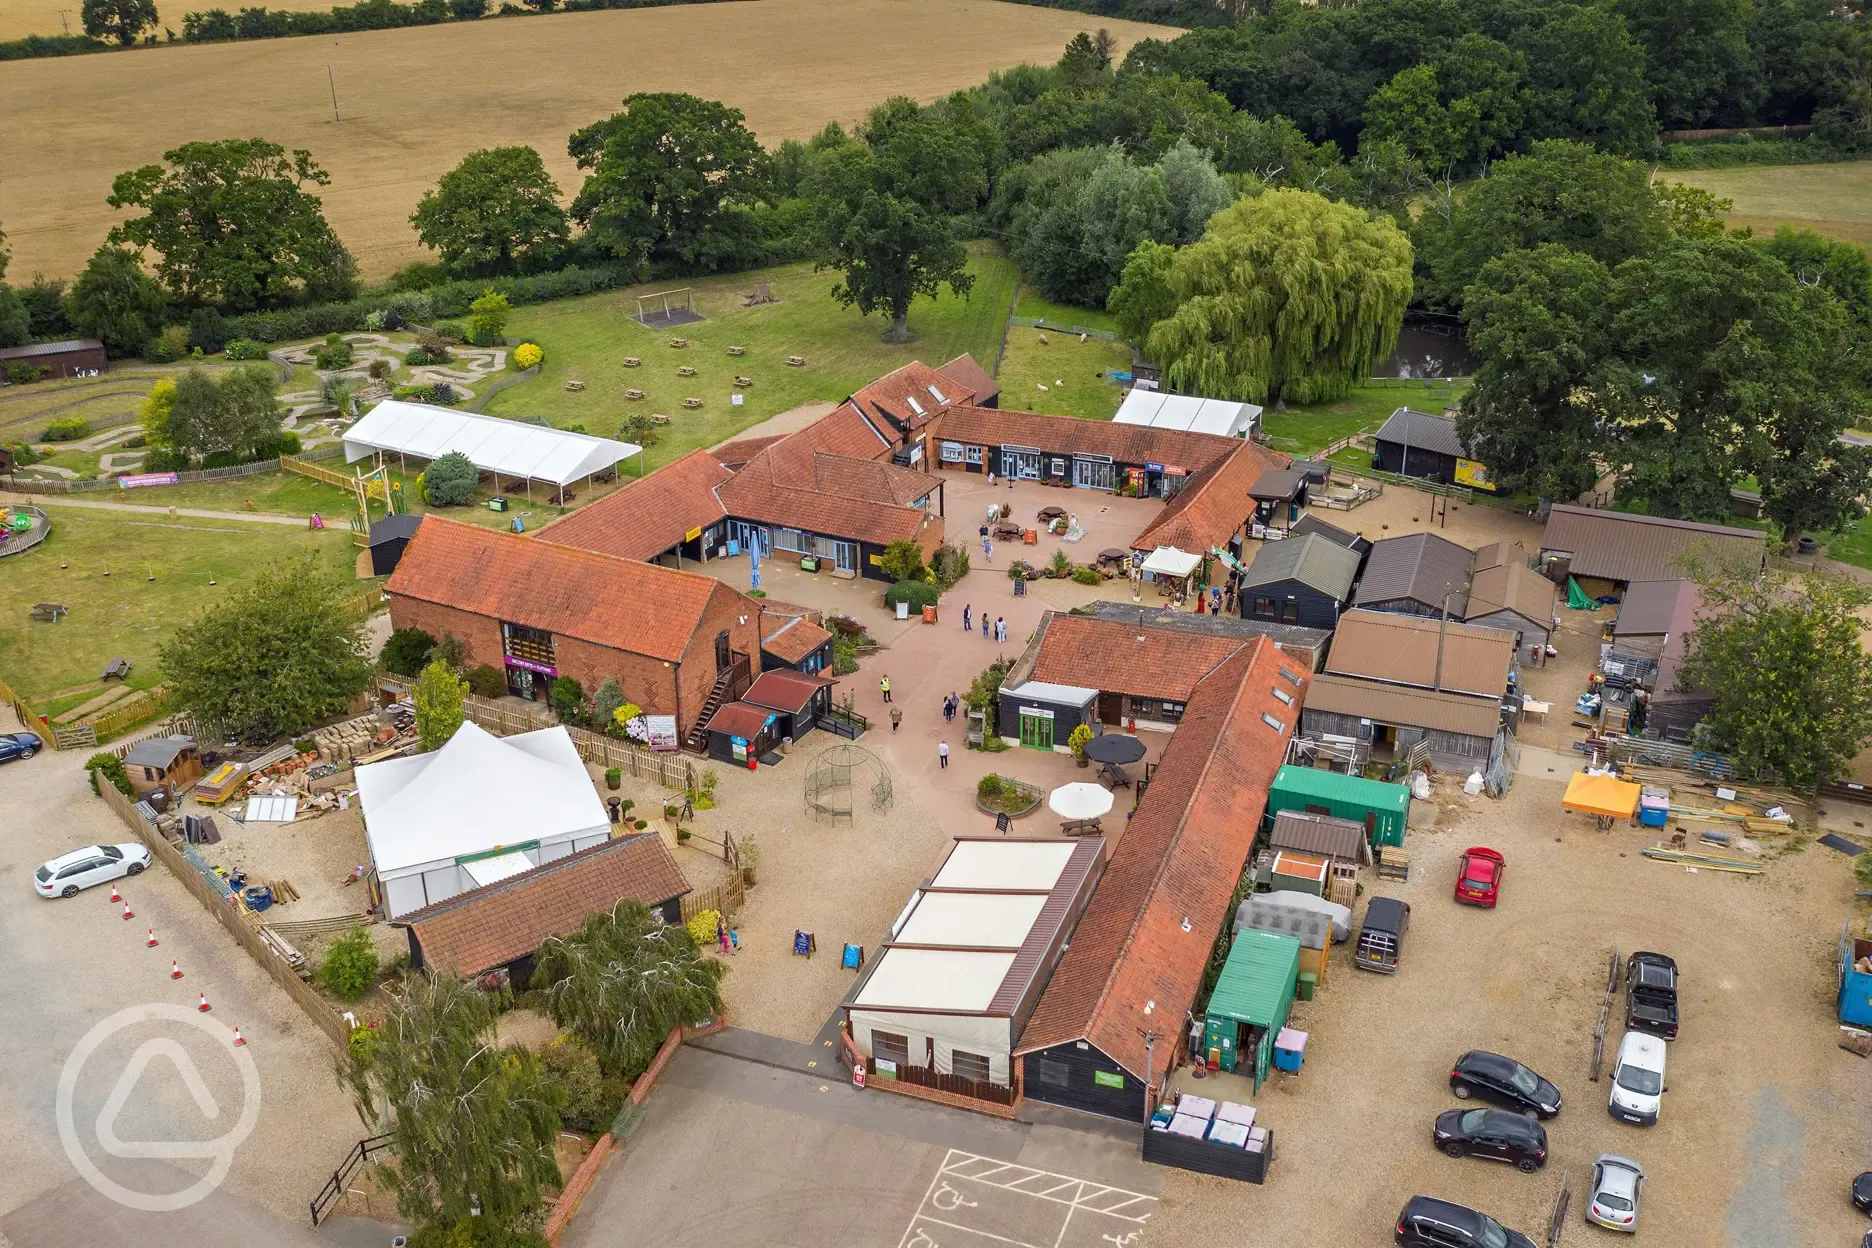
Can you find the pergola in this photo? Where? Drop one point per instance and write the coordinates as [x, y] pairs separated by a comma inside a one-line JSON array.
[[507, 448]]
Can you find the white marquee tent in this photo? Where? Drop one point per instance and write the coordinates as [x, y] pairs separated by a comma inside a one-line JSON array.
[[477, 810], [1182, 411], [505, 448]]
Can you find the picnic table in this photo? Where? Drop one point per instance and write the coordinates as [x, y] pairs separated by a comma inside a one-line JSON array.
[[49, 612], [796, 361], [631, 361], [679, 343], [692, 402], [1005, 532], [1079, 827], [743, 381], [116, 669], [737, 350], [1116, 774], [684, 370], [633, 393], [1051, 513]]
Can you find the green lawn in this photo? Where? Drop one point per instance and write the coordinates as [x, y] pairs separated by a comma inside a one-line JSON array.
[[586, 339], [1031, 305], [1854, 546], [115, 609], [1832, 199], [1308, 427], [1073, 372]]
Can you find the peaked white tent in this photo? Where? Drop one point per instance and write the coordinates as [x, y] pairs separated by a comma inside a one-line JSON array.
[[505, 448], [438, 823], [1181, 411]]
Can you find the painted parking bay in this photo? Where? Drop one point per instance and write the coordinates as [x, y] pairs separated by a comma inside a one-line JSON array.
[[975, 1201]]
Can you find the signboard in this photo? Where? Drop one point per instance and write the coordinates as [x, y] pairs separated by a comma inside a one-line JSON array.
[[1469, 472], [738, 745], [530, 666], [138, 479], [877, 561], [1038, 711], [1108, 1079], [1153, 467], [858, 1073], [885, 1069], [693, 534], [661, 730]]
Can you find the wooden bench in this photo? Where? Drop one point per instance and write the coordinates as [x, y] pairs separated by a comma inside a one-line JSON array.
[[685, 371], [692, 402], [679, 343], [48, 612], [737, 350], [633, 393], [743, 381], [796, 361], [631, 361], [575, 385], [658, 418], [116, 669]]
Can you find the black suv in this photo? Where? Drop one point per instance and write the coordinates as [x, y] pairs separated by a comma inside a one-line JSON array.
[[1431, 1223], [1495, 1134], [1504, 1081], [1651, 995]]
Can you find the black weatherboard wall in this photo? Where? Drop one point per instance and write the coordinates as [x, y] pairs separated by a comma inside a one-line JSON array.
[[1066, 715], [1078, 1075]]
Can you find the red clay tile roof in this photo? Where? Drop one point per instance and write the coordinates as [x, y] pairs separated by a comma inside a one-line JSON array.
[[1126, 444], [753, 495], [647, 517], [739, 719], [1178, 861], [841, 431], [871, 480], [620, 603], [783, 689], [487, 927], [911, 396], [738, 451], [1213, 504], [1107, 655], [971, 377], [792, 640]]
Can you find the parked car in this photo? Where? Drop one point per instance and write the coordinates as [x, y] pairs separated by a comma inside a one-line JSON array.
[[94, 864], [1431, 1223], [1638, 1079], [1478, 880], [1651, 995], [1612, 1201], [1381, 937], [1504, 1081], [1862, 1192], [1494, 1134], [19, 745]]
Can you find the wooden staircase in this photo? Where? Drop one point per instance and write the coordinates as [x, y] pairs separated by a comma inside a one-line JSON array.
[[730, 684]]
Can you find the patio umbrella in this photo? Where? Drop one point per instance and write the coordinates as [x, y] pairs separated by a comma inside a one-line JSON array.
[[1115, 747], [1080, 801]]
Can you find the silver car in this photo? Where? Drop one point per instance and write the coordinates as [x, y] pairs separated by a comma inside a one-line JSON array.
[[1617, 1182]]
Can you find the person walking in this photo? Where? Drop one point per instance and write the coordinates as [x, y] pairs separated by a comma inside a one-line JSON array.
[[942, 753], [987, 628], [884, 687], [966, 626], [721, 935], [1001, 628], [896, 718], [987, 550]]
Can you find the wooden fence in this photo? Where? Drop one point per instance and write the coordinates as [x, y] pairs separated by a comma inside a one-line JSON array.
[[28, 717], [316, 1007], [724, 899], [303, 465], [954, 1085], [33, 485], [119, 719]]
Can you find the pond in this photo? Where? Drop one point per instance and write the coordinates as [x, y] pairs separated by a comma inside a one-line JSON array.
[[1428, 349]]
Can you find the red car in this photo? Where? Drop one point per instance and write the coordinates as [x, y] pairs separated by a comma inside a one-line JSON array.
[[1480, 878]]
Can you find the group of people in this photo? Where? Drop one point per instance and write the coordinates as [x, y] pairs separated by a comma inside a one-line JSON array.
[[997, 631], [951, 703]]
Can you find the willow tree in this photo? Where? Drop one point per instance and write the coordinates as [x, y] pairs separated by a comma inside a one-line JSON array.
[[1287, 295]]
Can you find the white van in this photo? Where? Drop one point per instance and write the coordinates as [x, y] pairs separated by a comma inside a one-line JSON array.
[[1638, 1079]]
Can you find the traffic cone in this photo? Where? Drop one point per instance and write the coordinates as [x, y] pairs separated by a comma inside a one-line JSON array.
[[114, 896], [175, 969], [152, 938], [238, 1042], [127, 912], [203, 1007]]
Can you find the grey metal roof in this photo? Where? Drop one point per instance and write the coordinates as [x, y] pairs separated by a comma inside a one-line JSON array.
[[1278, 485], [1417, 566], [158, 751], [1311, 523], [1317, 834], [67, 347], [1314, 561], [1422, 431], [1404, 707], [1652, 608], [391, 528], [1620, 546]]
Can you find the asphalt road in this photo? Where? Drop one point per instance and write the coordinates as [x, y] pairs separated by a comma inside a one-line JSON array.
[[71, 964]]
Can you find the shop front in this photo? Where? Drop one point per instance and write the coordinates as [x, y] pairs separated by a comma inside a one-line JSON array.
[[1021, 463], [529, 659], [1155, 480]]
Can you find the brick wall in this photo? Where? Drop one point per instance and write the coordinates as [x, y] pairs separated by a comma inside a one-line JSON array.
[[727, 609], [479, 635]]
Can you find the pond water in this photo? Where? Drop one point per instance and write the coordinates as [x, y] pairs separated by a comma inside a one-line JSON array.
[[1428, 349]]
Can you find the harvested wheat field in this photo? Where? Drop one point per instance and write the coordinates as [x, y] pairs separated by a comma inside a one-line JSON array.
[[414, 101]]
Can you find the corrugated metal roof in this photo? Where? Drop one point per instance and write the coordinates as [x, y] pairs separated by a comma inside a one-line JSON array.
[[1402, 649], [1495, 554], [1422, 431], [1513, 587], [1314, 560], [70, 346], [1619, 546], [1419, 567], [1317, 834], [1653, 608], [1311, 523], [1257, 981], [1278, 485], [1412, 708]]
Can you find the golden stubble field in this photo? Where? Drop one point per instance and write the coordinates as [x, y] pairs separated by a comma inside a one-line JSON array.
[[414, 101]]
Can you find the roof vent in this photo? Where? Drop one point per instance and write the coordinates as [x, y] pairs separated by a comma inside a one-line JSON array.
[[1186, 923], [1150, 1007]]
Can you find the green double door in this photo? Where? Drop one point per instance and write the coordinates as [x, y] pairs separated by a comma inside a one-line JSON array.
[[1036, 731]]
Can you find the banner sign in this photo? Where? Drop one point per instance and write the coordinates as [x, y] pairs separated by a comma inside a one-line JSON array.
[[529, 665], [138, 479]]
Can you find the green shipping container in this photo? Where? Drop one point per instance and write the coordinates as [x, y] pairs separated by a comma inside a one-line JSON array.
[[1250, 1002], [1383, 808]]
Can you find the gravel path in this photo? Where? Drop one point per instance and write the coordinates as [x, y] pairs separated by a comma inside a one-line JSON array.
[[252, 517]]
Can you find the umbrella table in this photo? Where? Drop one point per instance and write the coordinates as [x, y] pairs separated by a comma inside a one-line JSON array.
[[1114, 747], [1079, 801]]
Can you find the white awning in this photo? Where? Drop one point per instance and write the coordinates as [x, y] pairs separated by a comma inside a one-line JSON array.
[[506, 447], [485, 871], [1171, 562], [1187, 412]]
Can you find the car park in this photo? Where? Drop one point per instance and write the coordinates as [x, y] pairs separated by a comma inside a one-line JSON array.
[[1478, 876], [1651, 995], [1612, 1200], [1427, 1222], [1493, 1134], [1638, 1080], [94, 864], [1505, 1082], [21, 745]]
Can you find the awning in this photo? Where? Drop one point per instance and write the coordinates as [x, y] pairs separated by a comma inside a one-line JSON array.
[[493, 870], [1171, 562], [1605, 796]]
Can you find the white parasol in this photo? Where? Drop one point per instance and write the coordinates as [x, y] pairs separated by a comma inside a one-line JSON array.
[[1080, 801]]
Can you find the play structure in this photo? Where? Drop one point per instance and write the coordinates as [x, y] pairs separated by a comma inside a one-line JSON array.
[[832, 782], [667, 308], [22, 527]]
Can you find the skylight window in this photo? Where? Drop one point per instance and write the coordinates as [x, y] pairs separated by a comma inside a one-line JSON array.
[[939, 395], [1273, 723], [1284, 696], [914, 405], [1291, 678]]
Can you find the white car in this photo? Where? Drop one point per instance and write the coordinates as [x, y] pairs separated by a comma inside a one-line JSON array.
[[94, 864], [1617, 1182], [1638, 1079]]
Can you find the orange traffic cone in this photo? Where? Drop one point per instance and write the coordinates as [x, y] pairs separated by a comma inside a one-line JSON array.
[[152, 938], [203, 1007], [238, 1042], [127, 911], [175, 969], [114, 896]]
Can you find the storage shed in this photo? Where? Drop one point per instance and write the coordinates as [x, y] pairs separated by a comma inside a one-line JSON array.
[[1383, 809], [1041, 715], [168, 764], [1414, 574], [75, 357], [1514, 598], [741, 732], [1250, 1003], [389, 538], [1302, 580], [796, 699], [1424, 445], [1318, 834]]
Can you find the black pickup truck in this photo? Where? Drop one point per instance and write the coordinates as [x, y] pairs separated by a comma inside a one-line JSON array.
[[1651, 995]]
